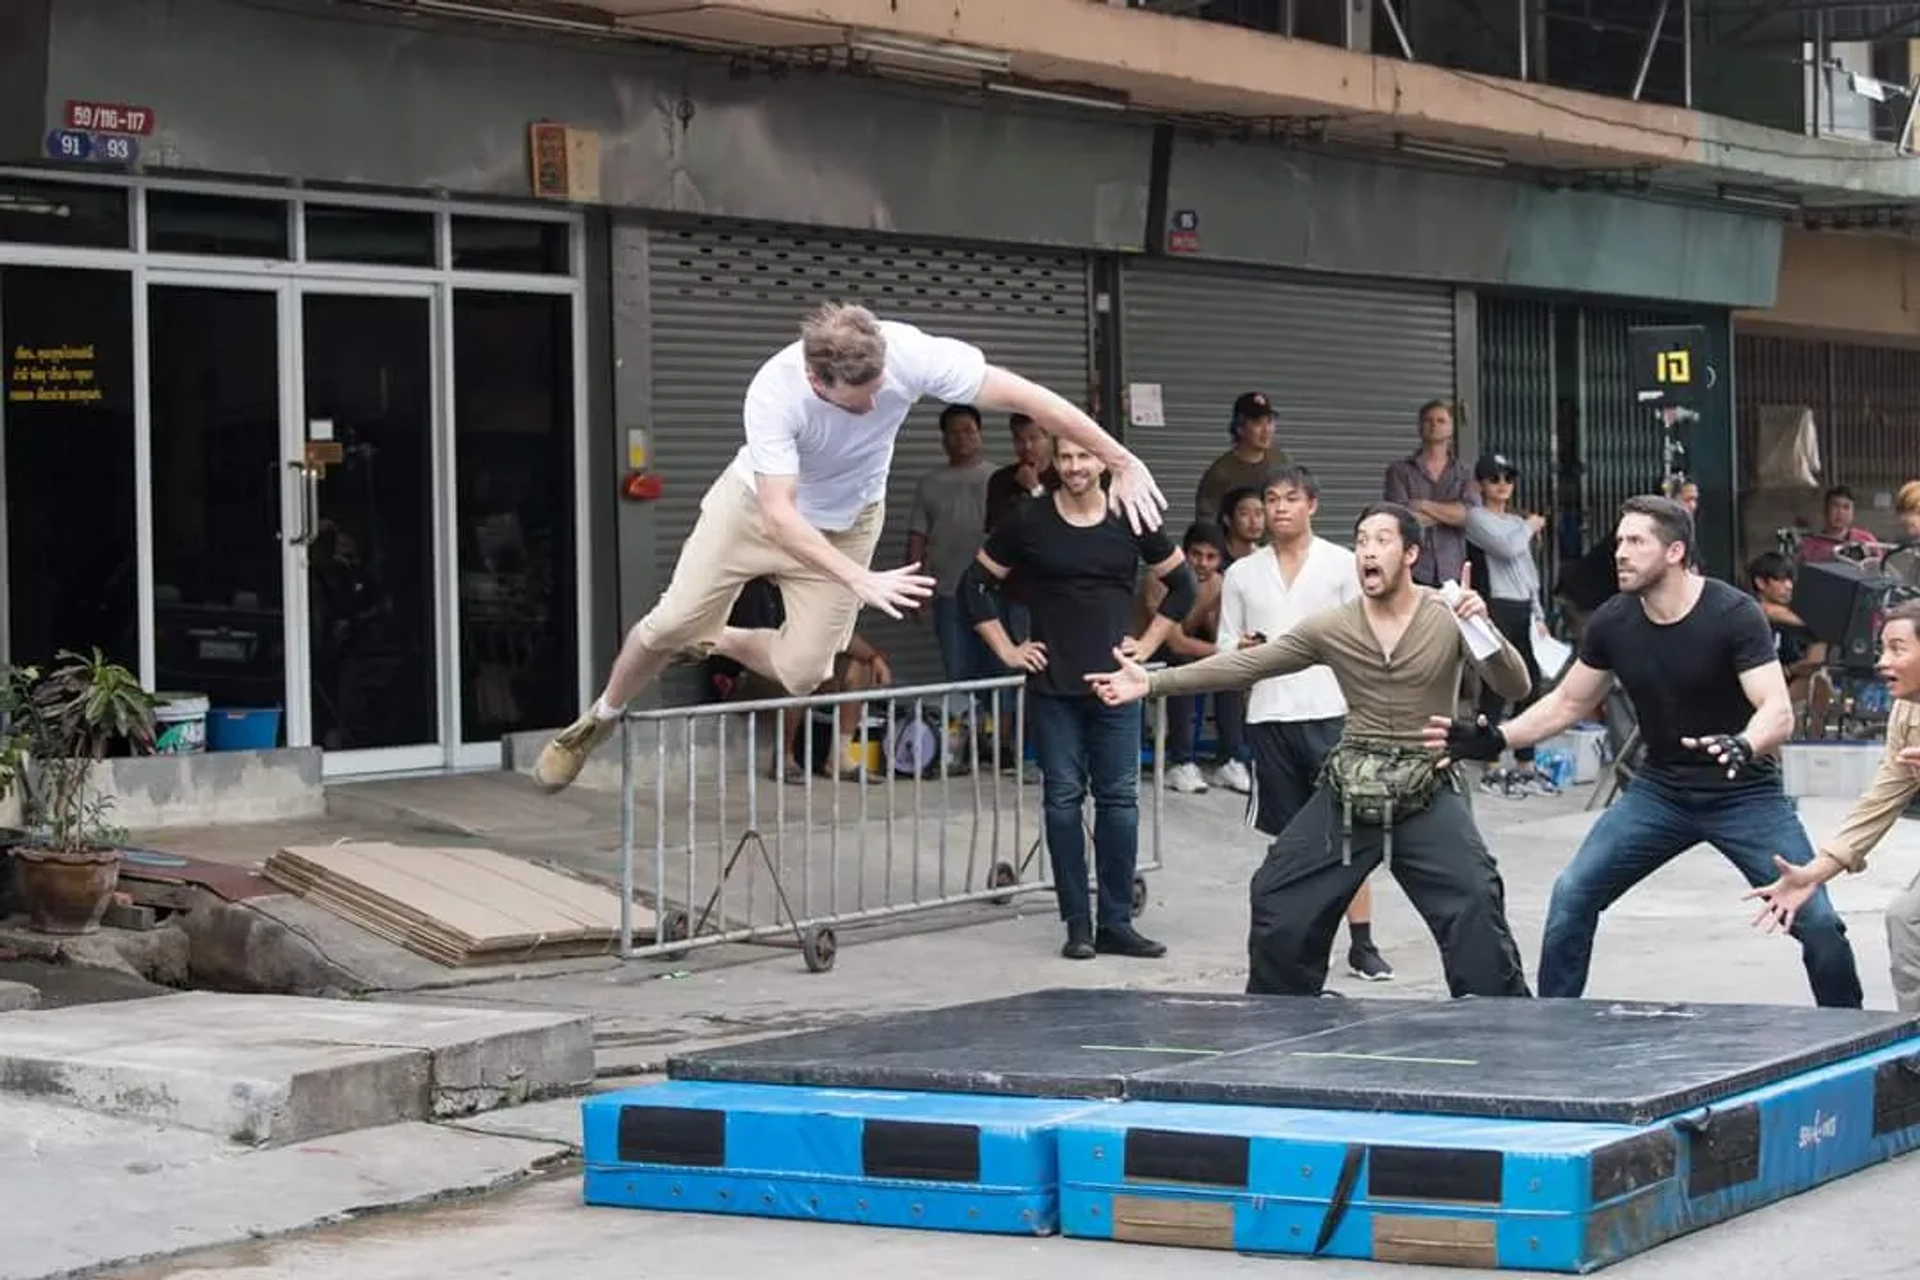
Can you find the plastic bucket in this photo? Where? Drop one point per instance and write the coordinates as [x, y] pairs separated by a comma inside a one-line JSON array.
[[243, 728], [180, 724]]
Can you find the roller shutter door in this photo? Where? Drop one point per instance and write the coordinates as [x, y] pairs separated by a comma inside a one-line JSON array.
[[1518, 410], [725, 296], [1519, 394], [1347, 363]]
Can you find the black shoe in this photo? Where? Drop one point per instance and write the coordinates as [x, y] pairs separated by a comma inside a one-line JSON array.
[[1365, 961], [1125, 940], [1079, 942]]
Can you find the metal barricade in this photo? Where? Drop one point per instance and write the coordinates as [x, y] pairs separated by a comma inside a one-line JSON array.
[[747, 850]]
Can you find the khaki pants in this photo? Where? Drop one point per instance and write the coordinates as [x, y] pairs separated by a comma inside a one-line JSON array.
[[730, 547], [1903, 947]]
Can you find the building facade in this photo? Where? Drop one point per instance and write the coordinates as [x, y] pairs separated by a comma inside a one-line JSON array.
[[1840, 351], [332, 384]]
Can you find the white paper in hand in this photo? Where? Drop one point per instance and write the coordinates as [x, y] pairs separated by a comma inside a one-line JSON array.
[[1483, 638]]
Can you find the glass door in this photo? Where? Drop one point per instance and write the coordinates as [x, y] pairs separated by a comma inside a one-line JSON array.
[[226, 508], [374, 695]]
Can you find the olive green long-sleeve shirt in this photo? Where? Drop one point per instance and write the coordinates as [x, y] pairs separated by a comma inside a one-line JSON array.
[[1389, 698], [1885, 798]]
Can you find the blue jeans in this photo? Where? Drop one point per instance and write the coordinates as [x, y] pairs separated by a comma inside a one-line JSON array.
[[965, 656], [1652, 823], [1085, 745]]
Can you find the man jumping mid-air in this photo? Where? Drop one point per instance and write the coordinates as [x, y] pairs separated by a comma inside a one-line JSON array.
[[803, 503]]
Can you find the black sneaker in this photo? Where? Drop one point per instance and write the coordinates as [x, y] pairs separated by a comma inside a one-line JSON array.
[[1079, 942], [1125, 940], [1365, 961]]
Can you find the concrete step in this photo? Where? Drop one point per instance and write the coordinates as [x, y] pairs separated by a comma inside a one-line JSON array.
[[85, 1193], [275, 1070]]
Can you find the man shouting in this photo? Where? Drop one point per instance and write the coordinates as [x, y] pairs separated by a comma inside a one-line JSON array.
[[1397, 653]]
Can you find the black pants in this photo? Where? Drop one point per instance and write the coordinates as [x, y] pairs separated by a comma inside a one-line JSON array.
[[1514, 618], [1287, 758], [1300, 892], [1229, 718]]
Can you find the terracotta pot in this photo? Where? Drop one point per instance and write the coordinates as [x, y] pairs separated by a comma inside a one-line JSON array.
[[65, 893], [9, 895]]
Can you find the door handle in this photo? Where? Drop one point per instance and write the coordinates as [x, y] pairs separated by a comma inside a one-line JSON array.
[[313, 502], [306, 533]]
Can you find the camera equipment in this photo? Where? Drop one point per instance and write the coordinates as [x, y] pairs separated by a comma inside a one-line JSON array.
[[1843, 605]]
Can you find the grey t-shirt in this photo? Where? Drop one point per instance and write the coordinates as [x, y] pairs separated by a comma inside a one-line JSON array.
[[950, 511], [1509, 547]]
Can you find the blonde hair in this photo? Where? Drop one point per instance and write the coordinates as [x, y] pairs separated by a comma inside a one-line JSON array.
[[1907, 501], [843, 346]]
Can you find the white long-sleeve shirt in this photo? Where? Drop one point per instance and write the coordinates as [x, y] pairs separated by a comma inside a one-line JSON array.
[[1256, 599]]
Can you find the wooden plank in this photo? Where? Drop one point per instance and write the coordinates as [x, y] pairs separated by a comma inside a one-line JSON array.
[[437, 891], [456, 906], [589, 904]]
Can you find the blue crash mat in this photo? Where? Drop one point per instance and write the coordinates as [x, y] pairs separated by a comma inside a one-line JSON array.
[[1466, 1191], [952, 1162]]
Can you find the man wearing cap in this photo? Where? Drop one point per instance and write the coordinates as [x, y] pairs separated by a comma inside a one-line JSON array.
[[1247, 464], [1438, 488], [1513, 591]]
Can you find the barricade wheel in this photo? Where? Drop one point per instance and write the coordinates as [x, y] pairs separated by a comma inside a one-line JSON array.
[[1003, 876], [1139, 896], [817, 948], [673, 926]]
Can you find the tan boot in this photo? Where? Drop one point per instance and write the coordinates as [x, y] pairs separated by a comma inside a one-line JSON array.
[[562, 759]]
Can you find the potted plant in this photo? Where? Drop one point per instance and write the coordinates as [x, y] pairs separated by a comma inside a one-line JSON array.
[[59, 724]]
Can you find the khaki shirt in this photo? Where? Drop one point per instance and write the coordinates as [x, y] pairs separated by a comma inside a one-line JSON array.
[[1388, 698], [1230, 471], [1881, 805]]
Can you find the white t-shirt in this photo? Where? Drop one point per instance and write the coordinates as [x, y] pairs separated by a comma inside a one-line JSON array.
[[1255, 598], [842, 458]]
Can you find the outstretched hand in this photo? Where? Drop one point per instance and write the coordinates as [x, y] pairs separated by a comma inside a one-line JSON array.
[[893, 590], [1785, 896], [1134, 494], [1117, 688]]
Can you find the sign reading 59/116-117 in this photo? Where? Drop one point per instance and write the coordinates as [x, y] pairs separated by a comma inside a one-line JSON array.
[[100, 133], [1669, 365]]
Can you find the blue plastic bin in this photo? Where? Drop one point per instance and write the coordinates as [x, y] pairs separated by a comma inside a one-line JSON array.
[[243, 728]]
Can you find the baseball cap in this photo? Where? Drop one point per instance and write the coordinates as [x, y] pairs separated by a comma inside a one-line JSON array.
[[1493, 465], [1252, 404]]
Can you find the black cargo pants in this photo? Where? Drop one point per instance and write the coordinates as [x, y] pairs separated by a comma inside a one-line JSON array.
[[1301, 891]]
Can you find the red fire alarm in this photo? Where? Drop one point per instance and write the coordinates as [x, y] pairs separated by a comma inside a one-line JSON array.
[[641, 486]]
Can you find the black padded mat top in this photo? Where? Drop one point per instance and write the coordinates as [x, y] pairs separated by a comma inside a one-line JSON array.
[[1594, 1060], [1618, 1062], [1048, 1044]]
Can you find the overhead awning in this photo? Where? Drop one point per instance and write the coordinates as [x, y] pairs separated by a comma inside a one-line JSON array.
[[1108, 56]]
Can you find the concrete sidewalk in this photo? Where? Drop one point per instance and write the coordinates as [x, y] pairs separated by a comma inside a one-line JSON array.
[[1683, 935], [137, 1129], [85, 1191]]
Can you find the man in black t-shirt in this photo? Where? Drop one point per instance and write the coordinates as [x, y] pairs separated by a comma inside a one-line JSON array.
[[1080, 564], [1696, 658]]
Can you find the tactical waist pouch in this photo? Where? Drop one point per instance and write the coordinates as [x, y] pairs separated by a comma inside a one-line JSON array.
[[1379, 783]]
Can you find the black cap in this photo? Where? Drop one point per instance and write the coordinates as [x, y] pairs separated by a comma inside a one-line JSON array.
[[1252, 404], [1494, 465]]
